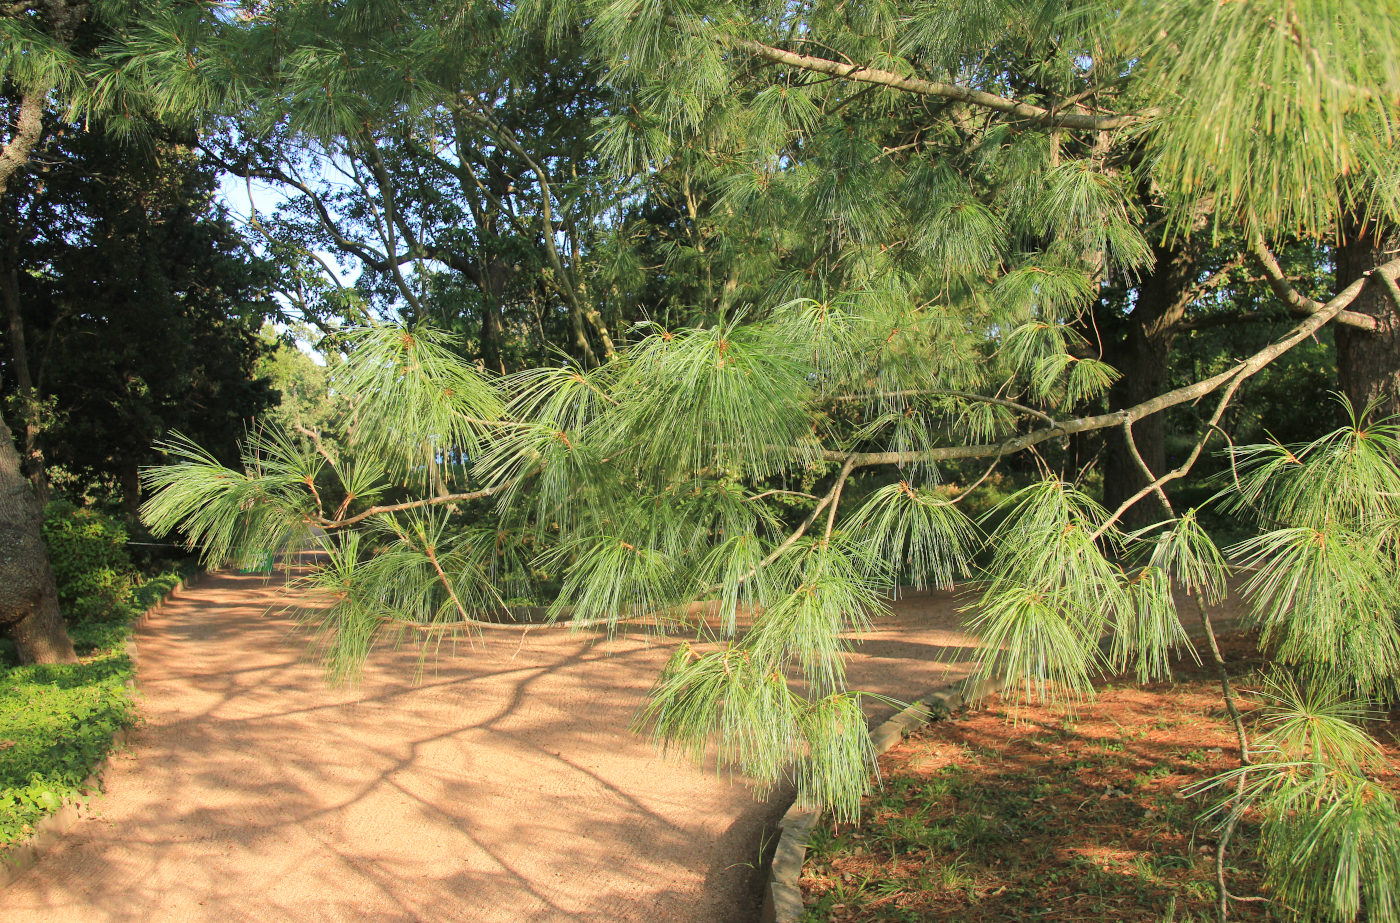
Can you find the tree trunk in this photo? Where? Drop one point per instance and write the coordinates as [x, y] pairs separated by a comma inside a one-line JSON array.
[[131, 489], [491, 334], [1368, 362], [19, 357], [28, 600], [1141, 355]]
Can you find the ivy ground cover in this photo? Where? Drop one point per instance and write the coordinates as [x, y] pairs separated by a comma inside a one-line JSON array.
[[57, 721]]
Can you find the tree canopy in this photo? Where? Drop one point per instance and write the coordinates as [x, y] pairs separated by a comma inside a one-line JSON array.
[[803, 276], [135, 306]]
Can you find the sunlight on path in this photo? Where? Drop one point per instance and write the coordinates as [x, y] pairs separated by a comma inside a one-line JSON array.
[[504, 785]]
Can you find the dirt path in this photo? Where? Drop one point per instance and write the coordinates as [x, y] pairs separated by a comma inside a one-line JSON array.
[[505, 785]]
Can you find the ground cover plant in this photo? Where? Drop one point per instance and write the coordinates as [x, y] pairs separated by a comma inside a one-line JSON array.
[[57, 721], [1015, 811]]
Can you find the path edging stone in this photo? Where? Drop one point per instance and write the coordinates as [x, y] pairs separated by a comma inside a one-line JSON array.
[[49, 831], [782, 895]]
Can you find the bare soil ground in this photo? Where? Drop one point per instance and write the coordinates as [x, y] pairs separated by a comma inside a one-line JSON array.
[[504, 783], [1033, 812]]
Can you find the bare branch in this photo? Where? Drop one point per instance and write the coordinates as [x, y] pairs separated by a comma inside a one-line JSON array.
[[1154, 483], [392, 221], [836, 498], [315, 436], [1394, 291], [376, 261], [1298, 303], [565, 283]]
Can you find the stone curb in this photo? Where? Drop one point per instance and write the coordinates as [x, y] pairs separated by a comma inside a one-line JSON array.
[[782, 896], [49, 831]]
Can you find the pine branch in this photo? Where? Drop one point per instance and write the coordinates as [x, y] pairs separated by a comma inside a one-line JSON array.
[[1393, 289], [415, 505], [1154, 483], [1157, 483], [836, 498], [1301, 304], [1246, 369], [940, 392], [981, 98]]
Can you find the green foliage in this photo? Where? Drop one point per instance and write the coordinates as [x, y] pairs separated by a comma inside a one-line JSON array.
[[927, 538], [139, 304], [87, 551], [1057, 589], [1331, 835], [848, 266], [57, 721], [1323, 592], [1273, 71], [1323, 585]]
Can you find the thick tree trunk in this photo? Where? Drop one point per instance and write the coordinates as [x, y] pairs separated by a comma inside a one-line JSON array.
[[28, 127], [1141, 355], [1368, 362], [28, 600]]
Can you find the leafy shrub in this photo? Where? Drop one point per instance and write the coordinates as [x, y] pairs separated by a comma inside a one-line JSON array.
[[57, 721], [94, 574], [56, 724]]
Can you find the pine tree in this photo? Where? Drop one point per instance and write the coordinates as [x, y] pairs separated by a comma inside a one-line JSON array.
[[937, 193]]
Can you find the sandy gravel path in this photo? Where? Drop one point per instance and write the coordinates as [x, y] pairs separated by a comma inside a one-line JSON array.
[[504, 785]]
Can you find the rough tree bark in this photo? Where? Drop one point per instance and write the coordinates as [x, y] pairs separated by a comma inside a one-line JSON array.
[[1368, 362], [28, 599]]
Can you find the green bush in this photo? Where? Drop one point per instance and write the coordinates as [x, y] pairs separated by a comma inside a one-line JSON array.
[[56, 724], [93, 572], [57, 720]]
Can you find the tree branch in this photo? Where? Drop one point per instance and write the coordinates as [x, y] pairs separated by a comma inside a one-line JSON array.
[[836, 498], [938, 392], [392, 221], [375, 261], [1157, 483], [981, 98], [565, 284], [1298, 303], [28, 128], [1247, 368], [414, 505]]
